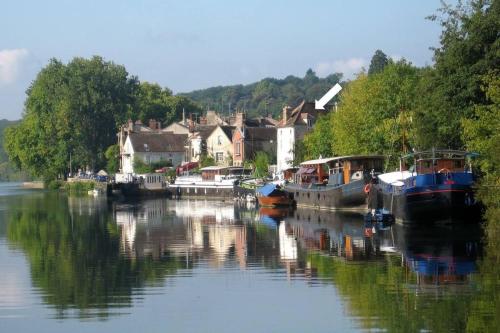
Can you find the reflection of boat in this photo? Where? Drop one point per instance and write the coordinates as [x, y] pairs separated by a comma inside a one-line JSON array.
[[334, 183], [439, 255], [272, 195], [340, 234], [439, 187]]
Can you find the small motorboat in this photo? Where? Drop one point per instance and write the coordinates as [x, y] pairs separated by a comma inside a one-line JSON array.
[[272, 195]]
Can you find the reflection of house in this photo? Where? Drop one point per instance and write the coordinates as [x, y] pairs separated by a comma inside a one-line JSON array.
[[220, 146], [288, 242], [295, 123], [151, 148]]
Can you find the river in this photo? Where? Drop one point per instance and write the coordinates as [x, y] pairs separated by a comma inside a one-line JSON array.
[[85, 264]]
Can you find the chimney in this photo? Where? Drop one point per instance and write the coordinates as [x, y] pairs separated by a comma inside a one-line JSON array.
[[286, 110], [130, 125], [239, 119]]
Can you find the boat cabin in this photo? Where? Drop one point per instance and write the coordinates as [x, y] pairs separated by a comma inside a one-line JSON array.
[[218, 173], [338, 170], [440, 161]]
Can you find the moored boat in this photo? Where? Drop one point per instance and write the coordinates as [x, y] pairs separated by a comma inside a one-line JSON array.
[[272, 195], [438, 186], [213, 182], [336, 183]]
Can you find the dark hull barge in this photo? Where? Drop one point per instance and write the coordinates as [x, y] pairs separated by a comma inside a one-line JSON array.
[[337, 183], [438, 188]]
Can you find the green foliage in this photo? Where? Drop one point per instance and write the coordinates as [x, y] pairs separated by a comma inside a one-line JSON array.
[[54, 184], [451, 90], [75, 256], [70, 109], [154, 102], [373, 117], [79, 186], [319, 142], [76, 108], [299, 152], [267, 96], [206, 161], [482, 131], [112, 155], [140, 167], [378, 62], [261, 164]]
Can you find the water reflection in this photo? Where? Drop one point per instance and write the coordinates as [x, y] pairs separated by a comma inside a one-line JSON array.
[[93, 258]]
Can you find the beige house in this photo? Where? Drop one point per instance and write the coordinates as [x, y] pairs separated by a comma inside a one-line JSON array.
[[220, 145]]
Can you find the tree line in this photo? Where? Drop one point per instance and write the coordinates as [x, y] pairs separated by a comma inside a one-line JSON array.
[[397, 107], [266, 97], [73, 111]]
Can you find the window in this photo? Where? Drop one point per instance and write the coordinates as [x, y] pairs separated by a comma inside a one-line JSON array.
[[219, 157], [238, 148], [219, 140]]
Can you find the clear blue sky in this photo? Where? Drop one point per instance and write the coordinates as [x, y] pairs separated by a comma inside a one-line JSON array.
[[187, 45]]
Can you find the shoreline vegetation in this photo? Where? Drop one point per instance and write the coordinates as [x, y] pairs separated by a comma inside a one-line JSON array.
[[73, 110]]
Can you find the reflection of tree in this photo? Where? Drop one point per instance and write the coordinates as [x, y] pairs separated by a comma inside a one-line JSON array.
[[485, 313], [379, 293], [75, 258]]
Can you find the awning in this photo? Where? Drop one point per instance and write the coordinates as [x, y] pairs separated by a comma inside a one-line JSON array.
[[267, 189], [304, 170]]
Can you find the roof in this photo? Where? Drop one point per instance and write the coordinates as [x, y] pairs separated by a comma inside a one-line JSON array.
[[204, 131], [260, 133], [349, 157], [214, 167], [157, 142], [228, 131], [308, 108]]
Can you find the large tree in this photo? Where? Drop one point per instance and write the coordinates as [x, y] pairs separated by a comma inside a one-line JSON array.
[[469, 49], [72, 110]]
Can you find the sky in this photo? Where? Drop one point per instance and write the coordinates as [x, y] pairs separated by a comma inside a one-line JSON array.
[[188, 45]]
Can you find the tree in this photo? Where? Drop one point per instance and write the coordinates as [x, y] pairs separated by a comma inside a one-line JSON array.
[[378, 62], [206, 161], [482, 131], [319, 141], [71, 109], [261, 164], [468, 50], [112, 155], [373, 116]]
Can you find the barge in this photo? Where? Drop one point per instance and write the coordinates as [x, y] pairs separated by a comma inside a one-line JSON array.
[[336, 183], [438, 186]]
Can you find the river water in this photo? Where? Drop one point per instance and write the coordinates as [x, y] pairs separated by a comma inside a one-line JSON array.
[[85, 264]]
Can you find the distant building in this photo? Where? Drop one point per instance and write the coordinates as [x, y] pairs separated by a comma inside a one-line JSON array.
[[220, 145], [247, 141], [152, 147], [196, 144], [294, 124]]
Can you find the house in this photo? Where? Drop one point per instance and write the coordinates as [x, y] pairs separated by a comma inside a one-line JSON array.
[[294, 124], [247, 141], [196, 144], [220, 145], [152, 147]]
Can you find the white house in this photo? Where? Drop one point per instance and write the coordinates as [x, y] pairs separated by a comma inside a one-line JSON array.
[[295, 123], [152, 148], [220, 145]]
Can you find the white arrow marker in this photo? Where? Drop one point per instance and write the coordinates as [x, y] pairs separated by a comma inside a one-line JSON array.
[[320, 105]]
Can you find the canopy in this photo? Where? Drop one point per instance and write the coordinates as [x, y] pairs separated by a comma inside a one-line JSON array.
[[102, 173], [267, 189], [304, 170]]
